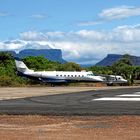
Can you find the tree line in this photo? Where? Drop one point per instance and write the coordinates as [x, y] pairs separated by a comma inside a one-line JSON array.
[[123, 67], [9, 77]]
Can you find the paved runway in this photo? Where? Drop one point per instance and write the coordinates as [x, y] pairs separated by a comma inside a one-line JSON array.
[[96, 102]]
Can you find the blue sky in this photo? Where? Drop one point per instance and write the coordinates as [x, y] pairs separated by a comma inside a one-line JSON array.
[[78, 27], [62, 15]]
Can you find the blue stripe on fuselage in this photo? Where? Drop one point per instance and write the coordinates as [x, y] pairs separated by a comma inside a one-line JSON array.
[[27, 76], [47, 80]]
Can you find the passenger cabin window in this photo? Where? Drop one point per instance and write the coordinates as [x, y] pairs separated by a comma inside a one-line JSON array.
[[112, 78], [90, 75]]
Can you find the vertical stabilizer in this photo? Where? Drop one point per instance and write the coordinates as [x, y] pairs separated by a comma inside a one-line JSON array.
[[21, 67]]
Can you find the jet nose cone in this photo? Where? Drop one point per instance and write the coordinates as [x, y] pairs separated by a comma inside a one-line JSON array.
[[125, 81]]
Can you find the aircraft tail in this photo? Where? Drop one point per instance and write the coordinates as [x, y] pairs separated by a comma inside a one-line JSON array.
[[21, 67]]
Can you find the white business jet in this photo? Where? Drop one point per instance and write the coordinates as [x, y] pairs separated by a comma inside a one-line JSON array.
[[55, 76]]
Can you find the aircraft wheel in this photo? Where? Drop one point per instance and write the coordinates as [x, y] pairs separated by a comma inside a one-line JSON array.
[[110, 84], [52, 85]]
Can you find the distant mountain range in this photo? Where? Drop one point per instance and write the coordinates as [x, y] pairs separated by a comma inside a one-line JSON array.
[[50, 54], [110, 59]]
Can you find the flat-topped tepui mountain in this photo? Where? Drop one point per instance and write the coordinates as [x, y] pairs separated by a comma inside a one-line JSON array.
[[50, 54], [110, 59]]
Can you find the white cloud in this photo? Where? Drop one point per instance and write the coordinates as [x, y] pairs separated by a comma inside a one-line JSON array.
[[18, 45], [89, 23], [38, 16], [32, 35], [11, 44], [91, 35], [128, 34], [116, 13], [119, 12]]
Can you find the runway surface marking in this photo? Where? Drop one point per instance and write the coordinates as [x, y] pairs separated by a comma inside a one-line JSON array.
[[123, 97]]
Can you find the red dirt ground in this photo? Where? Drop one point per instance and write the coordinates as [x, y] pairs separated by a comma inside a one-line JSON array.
[[69, 128]]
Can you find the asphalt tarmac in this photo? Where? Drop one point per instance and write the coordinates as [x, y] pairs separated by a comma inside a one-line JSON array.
[[94, 102]]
